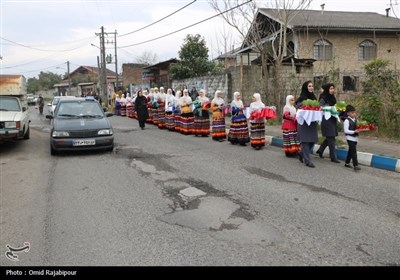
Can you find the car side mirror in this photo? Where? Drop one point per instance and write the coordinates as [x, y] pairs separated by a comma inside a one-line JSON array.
[[23, 109], [109, 114], [50, 117]]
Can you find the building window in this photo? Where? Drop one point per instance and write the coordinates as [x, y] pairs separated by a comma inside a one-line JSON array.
[[322, 50], [290, 48], [367, 50], [319, 81], [350, 83]]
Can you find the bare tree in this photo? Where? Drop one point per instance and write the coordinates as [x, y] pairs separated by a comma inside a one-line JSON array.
[[224, 42], [146, 58], [266, 37]]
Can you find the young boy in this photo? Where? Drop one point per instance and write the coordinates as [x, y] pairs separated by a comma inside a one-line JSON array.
[[351, 133]]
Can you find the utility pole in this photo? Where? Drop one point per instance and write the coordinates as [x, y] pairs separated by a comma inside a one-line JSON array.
[[116, 63], [103, 66], [69, 79], [99, 75], [103, 79]]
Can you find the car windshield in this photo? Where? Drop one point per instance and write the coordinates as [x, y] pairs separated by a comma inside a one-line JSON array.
[[9, 104], [80, 110]]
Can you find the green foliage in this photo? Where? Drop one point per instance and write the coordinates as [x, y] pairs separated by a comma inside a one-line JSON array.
[[46, 81], [193, 59], [33, 85], [380, 103]]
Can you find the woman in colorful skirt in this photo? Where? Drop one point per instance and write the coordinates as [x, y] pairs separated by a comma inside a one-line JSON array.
[[257, 124], [187, 117], [150, 113], [177, 111], [161, 108], [169, 110], [122, 109], [291, 145], [239, 131], [218, 118], [129, 106], [133, 105], [201, 116], [117, 105], [154, 106]]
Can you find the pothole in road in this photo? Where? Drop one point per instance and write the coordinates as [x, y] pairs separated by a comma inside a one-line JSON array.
[[198, 205], [220, 217], [136, 153]]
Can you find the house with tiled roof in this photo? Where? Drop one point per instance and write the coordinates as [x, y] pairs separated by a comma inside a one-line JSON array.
[[84, 80], [338, 41]]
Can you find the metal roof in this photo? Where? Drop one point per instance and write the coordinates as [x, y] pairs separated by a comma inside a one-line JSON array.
[[334, 19]]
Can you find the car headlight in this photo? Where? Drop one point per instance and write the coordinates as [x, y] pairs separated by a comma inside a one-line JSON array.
[[105, 132], [60, 133], [10, 124]]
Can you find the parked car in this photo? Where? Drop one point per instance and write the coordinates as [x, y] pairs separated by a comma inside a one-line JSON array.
[[54, 102], [14, 119], [30, 98], [80, 124]]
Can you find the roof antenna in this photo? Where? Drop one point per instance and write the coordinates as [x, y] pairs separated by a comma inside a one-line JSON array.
[[322, 8], [387, 11]]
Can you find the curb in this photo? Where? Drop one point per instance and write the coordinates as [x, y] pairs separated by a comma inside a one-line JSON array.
[[376, 161]]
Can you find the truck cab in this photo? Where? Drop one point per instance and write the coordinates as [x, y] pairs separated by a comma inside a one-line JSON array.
[[14, 118]]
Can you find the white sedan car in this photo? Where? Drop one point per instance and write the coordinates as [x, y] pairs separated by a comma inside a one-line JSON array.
[[54, 102]]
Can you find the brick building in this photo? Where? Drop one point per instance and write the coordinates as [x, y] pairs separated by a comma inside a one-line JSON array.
[[132, 75], [337, 41]]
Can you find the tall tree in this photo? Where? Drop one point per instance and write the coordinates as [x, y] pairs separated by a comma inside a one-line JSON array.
[[45, 81], [194, 60], [33, 85]]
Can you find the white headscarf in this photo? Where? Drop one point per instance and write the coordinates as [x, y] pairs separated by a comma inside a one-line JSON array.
[[288, 107], [169, 100], [185, 98], [257, 105], [162, 94], [204, 98], [218, 100], [177, 97], [237, 102]]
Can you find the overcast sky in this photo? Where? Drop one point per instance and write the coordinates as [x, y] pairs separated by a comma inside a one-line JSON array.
[[42, 35]]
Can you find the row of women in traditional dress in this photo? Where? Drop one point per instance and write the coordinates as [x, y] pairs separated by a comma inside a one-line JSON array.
[[182, 114]]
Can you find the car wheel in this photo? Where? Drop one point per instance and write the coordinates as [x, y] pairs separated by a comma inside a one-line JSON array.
[[53, 151], [27, 134], [110, 149]]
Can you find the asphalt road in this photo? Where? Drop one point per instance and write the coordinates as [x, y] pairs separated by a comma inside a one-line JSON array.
[[165, 199]]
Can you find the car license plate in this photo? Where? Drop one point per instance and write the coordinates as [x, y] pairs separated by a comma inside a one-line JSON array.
[[84, 142]]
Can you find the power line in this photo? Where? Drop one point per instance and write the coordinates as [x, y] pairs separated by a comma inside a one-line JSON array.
[[158, 20], [42, 50], [144, 42]]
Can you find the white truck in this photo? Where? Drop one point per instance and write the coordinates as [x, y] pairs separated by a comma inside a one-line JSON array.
[[14, 118]]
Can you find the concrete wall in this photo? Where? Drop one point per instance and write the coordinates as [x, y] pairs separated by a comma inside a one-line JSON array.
[[209, 83], [248, 80]]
